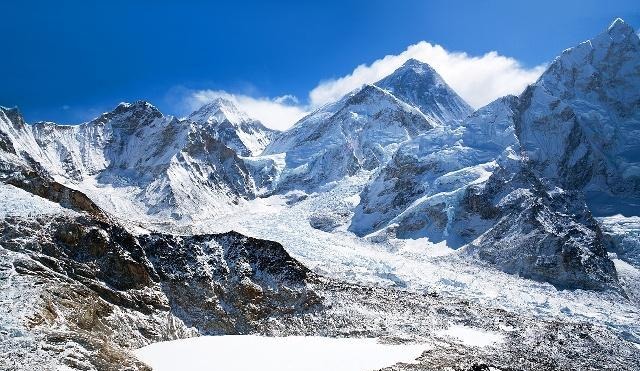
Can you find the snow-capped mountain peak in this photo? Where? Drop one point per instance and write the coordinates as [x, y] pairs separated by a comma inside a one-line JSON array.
[[419, 68], [419, 85], [579, 122], [232, 126], [620, 29], [218, 111]]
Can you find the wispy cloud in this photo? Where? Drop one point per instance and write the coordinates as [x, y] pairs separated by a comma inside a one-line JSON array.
[[478, 79], [276, 113]]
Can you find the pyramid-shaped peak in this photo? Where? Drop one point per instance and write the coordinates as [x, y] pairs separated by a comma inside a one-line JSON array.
[[412, 71], [619, 31], [420, 85], [415, 69], [417, 66], [619, 26], [221, 102], [219, 110]]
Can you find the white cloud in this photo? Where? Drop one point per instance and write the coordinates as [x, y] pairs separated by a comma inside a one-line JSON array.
[[276, 113], [478, 80]]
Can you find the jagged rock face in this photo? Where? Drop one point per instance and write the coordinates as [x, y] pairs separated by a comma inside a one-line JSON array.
[[225, 284], [421, 86], [234, 128], [160, 165], [217, 283], [579, 123], [419, 187], [548, 236], [361, 131]]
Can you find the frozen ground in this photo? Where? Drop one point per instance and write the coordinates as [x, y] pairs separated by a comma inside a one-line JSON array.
[[473, 337], [294, 353], [17, 202], [416, 265]]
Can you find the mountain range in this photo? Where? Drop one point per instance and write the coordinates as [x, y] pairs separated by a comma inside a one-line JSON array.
[[543, 187]]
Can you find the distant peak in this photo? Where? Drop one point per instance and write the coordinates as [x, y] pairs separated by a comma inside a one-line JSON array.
[[10, 109], [220, 102], [139, 105], [140, 112], [219, 110], [416, 66], [412, 62], [619, 29], [14, 114], [617, 23]]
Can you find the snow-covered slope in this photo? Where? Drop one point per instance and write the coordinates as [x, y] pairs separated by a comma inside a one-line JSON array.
[[234, 128], [135, 160], [361, 131], [417, 190], [580, 122]]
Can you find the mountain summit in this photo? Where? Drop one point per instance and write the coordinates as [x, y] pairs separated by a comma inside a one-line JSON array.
[[419, 85], [233, 127], [219, 110], [579, 122]]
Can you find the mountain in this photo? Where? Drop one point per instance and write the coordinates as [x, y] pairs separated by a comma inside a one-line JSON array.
[[579, 125], [363, 129], [419, 85], [246, 136], [136, 160], [394, 213], [511, 181], [428, 174]]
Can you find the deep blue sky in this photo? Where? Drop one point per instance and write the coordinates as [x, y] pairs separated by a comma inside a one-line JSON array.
[[90, 55]]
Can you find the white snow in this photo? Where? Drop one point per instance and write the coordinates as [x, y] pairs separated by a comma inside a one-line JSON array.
[[17, 202], [293, 353], [472, 337]]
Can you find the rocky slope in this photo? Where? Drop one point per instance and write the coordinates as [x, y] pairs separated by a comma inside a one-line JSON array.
[[79, 290]]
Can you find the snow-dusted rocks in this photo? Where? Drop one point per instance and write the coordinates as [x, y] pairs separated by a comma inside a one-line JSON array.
[[546, 235], [234, 128], [95, 289]]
